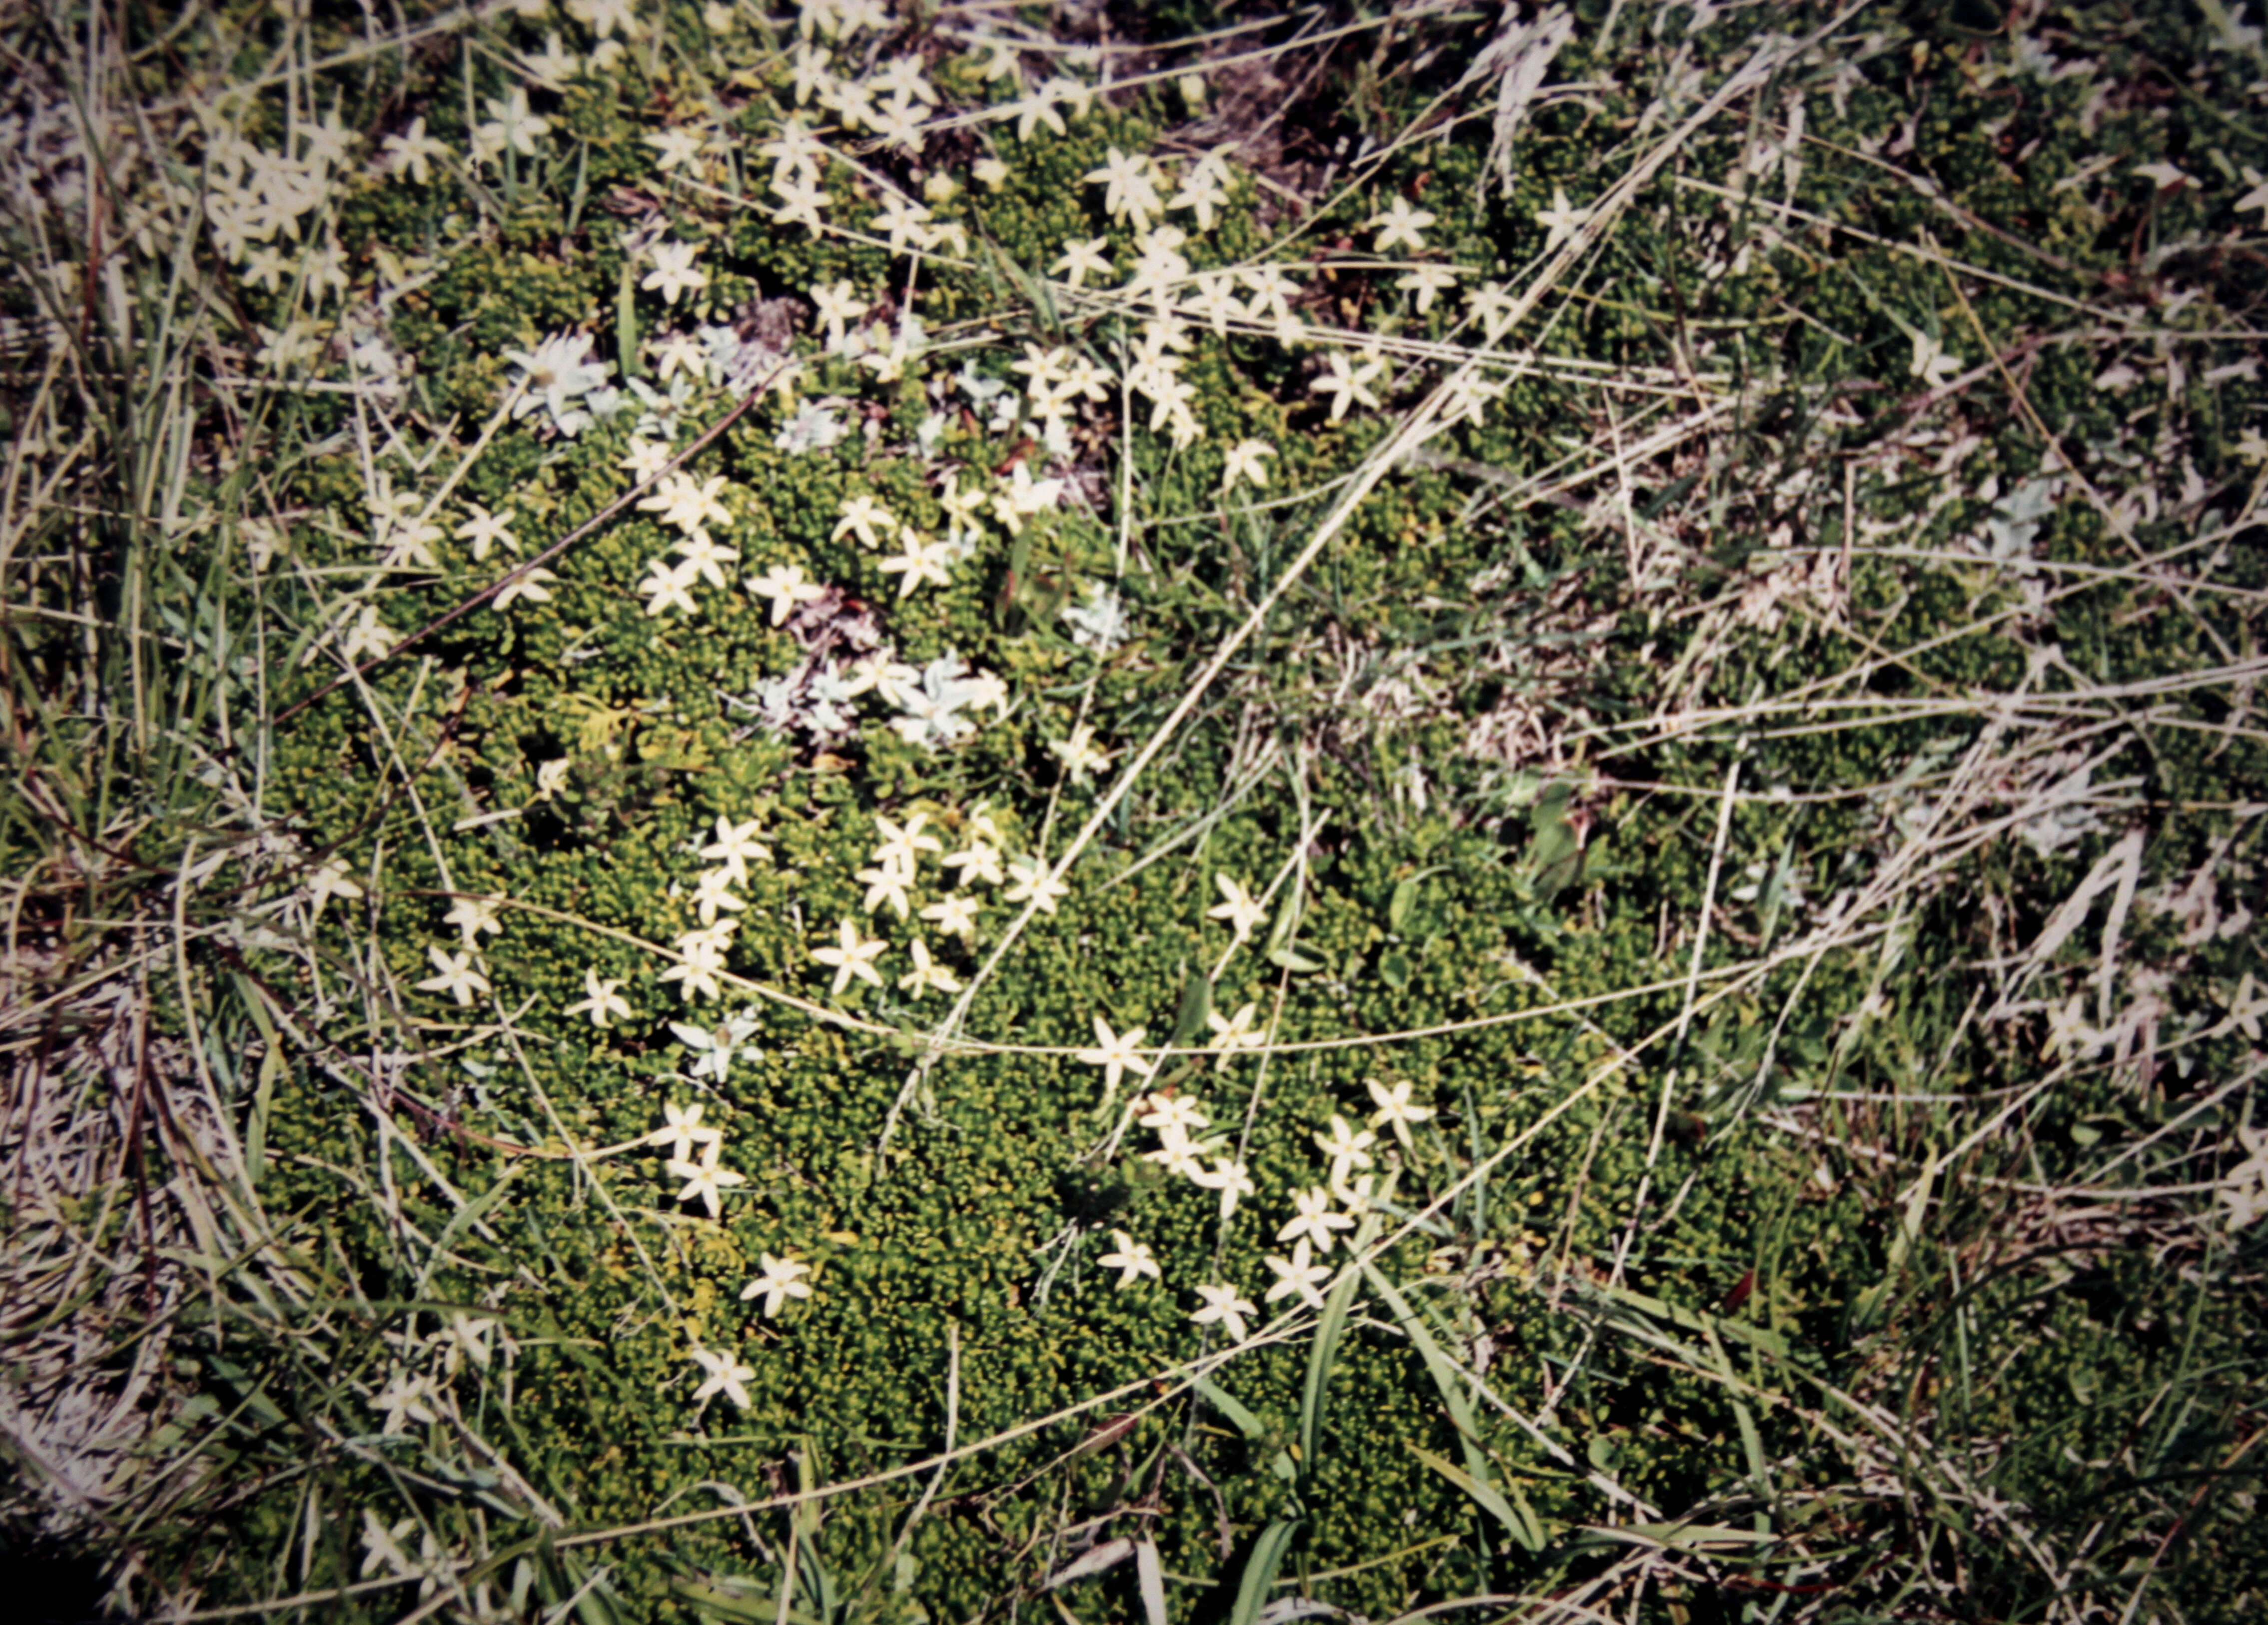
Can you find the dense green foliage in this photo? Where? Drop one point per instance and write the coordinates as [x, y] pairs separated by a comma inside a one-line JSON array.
[[1773, 784]]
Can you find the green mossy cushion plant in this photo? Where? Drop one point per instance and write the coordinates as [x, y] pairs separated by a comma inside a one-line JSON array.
[[955, 813]]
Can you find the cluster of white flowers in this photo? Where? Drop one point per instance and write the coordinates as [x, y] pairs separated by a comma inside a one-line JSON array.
[[919, 558], [844, 93], [459, 975], [894, 871], [705, 1178], [1186, 1150], [930, 700], [459, 1338], [1320, 1213], [817, 696], [688, 506], [699, 965], [1056, 383], [561, 379]]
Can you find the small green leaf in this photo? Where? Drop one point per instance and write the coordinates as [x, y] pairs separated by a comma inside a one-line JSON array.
[[1247, 1422], [1393, 967], [1682, 1537], [1321, 1356], [1397, 911], [1287, 918], [1260, 1570], [1197, 1005], [625, 327], [1518, 1521]]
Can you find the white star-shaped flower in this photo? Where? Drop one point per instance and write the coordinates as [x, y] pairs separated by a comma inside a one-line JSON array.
[[1314, 1218], [331, 879], [1560, 222], [780, 1281], [1034, 109], [1116, 1053], [1345, 1145], [1394, 1109], [1231, 1033], [1231, 1179], [1131, 1259], [1347, 384], [837, 304], [853, 955], [802, 200], [1298, 1275], [1242, 911], [1173, 1115], [600, 1000], [886, 885], [1129, 187], [1244, 461], [403, 1400], [904, 843], [457, 979], [784, 585], [472, 916], [1932, 363], [1225, 1307], [519, 128], [674, 272], [1025, 496], [955, 916], [1401, 223], [675, 149], [701, 963], [1079, 753], [926, 973], [864, 517], [646, 460], [979, 860], [407, 153], [664, 587], [485, 530], [712, 894], [919, 559], [1081, 258], [681, 1130], [701, 554], [686, 504], [1429, 282], [727, 1376], [525, 582], [703, 1179], [1034, 884], [734, 845]]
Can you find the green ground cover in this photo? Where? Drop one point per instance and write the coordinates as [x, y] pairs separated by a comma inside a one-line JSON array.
[[976, 813]]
